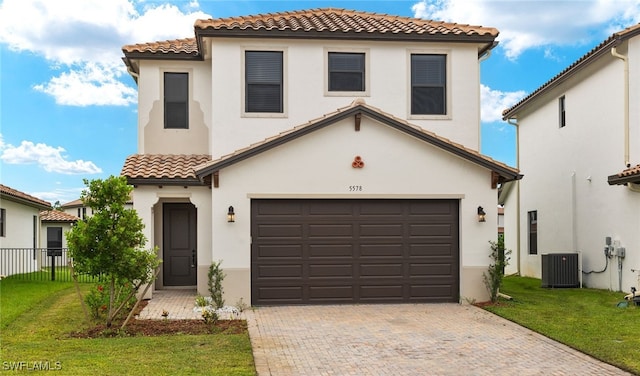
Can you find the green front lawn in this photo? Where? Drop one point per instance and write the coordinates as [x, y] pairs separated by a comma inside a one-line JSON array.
[[585, 319], [37, 318]]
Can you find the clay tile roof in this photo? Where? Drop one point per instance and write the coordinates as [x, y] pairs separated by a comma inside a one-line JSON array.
[[57, 216], [163, 169], [359, 106], [343, 21], [314, 23], [15, 195], [603, 48], [187, 46], [629, 175]]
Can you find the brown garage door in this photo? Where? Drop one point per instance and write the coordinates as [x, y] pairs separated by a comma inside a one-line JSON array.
[[354, 251]]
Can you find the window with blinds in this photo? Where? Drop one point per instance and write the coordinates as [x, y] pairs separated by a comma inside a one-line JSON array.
[[428, 84], [346, 71], [176, 100], [263, 81]]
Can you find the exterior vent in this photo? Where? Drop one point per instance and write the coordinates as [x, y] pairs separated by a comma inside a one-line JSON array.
[[560, 270]]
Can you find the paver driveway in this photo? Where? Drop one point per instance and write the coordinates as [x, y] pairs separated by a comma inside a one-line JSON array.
[[408, 339]]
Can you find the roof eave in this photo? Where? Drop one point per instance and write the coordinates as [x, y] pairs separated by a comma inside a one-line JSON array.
[[506, 174], [166, 181], [24, 201], [623, 180]]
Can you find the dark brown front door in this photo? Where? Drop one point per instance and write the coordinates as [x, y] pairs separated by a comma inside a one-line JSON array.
[[354, 251], [179, 244]]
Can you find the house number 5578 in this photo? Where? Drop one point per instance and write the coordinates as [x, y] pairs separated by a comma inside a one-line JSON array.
[[355, 188]]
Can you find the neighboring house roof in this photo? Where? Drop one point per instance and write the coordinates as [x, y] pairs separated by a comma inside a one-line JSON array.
[[57, 216], [603, 48], [322, 23], [163, 169], [629, 175], [78, 203], [503, 173], [8, 193]]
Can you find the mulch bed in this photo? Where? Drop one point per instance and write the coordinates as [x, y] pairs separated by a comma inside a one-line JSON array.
[[137, 327]]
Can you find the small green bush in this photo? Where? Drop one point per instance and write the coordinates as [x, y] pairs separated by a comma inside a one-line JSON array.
[[500, 258], [215, 284]]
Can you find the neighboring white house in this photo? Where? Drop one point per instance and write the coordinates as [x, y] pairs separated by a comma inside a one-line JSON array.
[[324, 156], [19, 230], [55, 224], [79, 210], [578, 138]]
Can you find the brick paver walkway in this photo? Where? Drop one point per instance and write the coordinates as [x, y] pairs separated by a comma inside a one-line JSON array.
[[178, 303]]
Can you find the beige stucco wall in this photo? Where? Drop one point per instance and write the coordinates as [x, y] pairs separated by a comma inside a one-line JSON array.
[[148, 202], [319, 166], [305, 88], [566, 172], [152, 137]]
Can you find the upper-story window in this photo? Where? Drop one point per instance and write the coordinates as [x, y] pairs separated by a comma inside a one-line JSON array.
[[346, 71], [428, 84], [264, 89], [533, 232], [562, 115], [176, 100]]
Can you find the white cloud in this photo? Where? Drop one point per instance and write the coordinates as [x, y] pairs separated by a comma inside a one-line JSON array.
[[526, 24], [493, 102], [51, 159], [86, 43]]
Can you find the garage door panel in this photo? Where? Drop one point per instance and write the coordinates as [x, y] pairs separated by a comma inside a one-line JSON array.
[[279, 271], [317, 251], [381, 293], [279, 251], [430, 230], [377, 250], [354, 251], [331, 271], [381, 270], [431, 269], [330, 230], [280, 231], [382, 230], [430, 250]]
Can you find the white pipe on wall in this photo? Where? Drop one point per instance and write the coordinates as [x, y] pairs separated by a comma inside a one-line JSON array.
[[614, 52]]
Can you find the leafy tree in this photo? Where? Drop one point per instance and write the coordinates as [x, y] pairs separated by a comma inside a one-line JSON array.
[[110, 243], [57, 205]]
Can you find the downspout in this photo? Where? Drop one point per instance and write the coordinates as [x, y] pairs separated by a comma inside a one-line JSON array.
[[518, 229], [614, 52]]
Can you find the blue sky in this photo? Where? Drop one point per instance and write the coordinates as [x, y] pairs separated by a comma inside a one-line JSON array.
[[68, 107]]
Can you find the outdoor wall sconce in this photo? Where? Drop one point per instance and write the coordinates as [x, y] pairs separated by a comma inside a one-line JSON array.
[[481, 214], [231, 215]]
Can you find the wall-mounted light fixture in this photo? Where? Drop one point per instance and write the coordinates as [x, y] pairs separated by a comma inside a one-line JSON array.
[[231, 215], [481, 214]]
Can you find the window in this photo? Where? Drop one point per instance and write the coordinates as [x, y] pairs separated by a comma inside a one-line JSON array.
[[263, 81], [346, 71], [3, 222], [533, 232], [428, 84], [561, 111], [176, 101]]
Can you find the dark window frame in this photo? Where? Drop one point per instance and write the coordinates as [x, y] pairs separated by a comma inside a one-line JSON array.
[[346, 76], [264, 77], [532, 230], [3, 222], [176, 100], [428, 84], [562, 111]]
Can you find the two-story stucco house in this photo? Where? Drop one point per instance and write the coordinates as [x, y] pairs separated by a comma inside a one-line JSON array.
[[324, 156], [19, 230], [578, 138]]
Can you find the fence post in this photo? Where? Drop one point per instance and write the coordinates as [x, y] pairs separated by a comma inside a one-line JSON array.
[[53, 266]]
